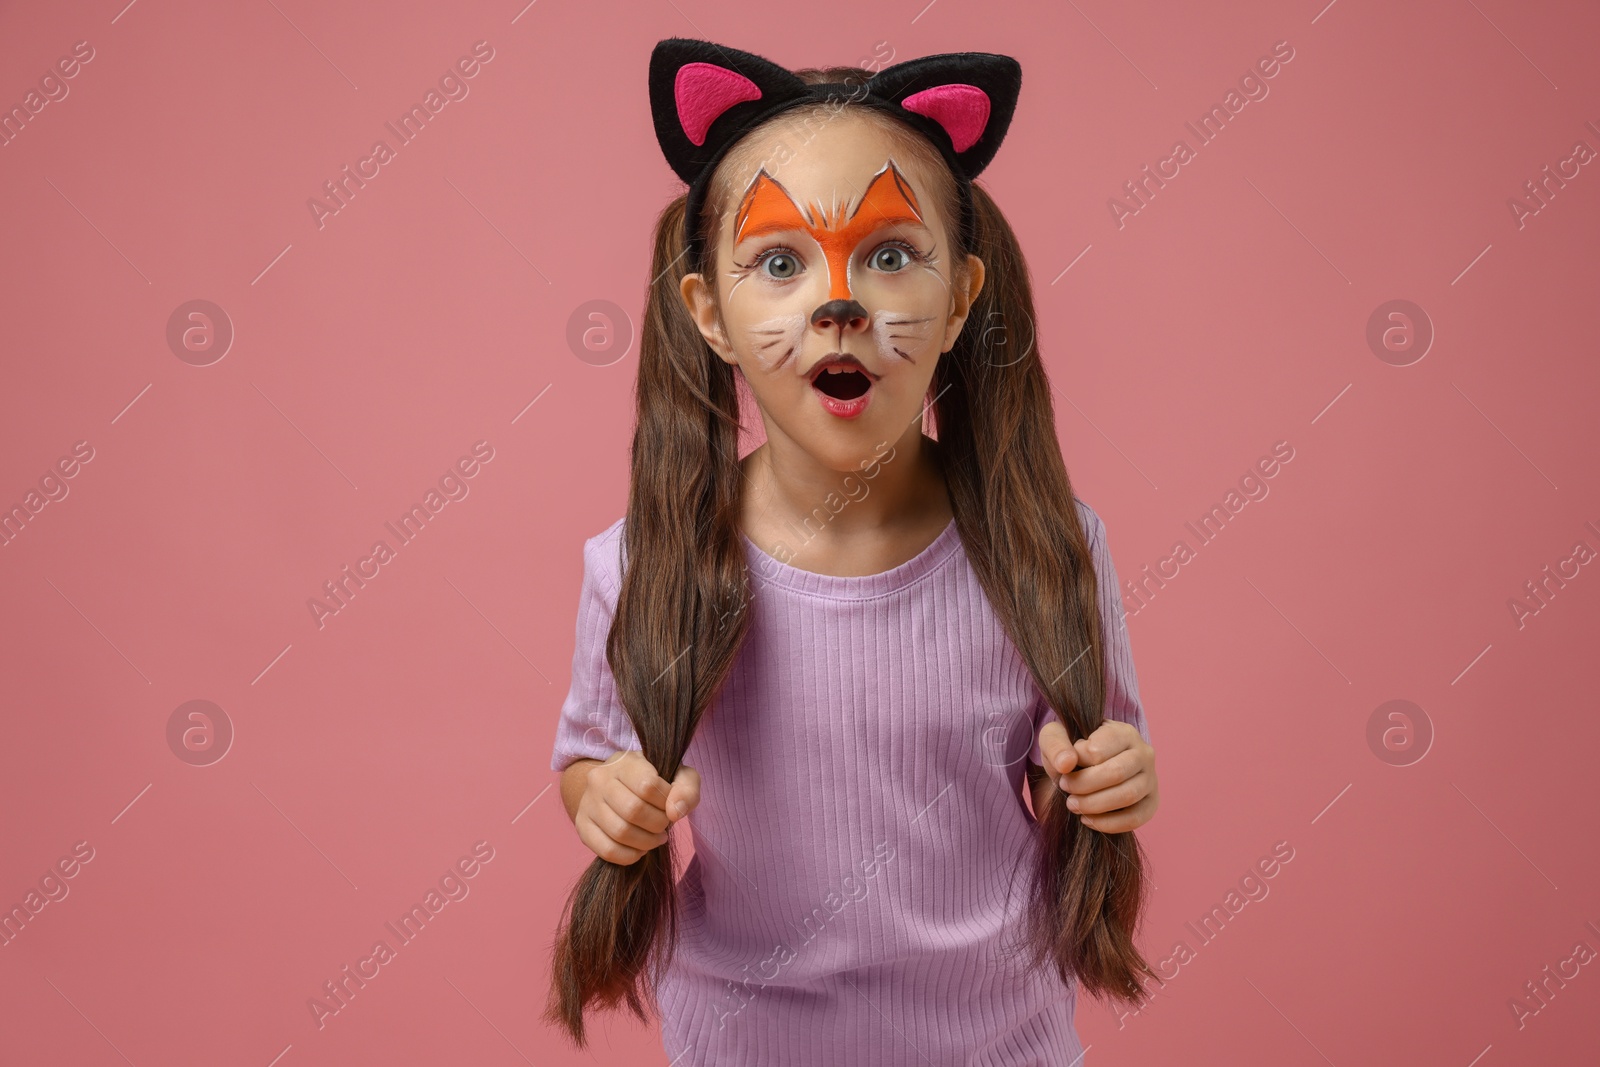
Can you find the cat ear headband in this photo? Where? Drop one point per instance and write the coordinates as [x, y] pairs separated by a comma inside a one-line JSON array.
[[704, 97]]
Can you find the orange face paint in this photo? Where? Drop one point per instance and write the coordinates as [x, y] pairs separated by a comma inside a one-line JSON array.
[[768, 208]]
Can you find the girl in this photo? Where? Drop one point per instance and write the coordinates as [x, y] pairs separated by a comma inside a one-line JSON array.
[[843, 652]]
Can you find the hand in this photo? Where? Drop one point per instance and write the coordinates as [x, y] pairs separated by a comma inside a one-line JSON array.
[[627, 808], [1110, 776]]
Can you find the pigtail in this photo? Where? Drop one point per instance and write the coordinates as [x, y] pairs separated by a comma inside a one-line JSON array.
[[1013, 504], [681, 614]]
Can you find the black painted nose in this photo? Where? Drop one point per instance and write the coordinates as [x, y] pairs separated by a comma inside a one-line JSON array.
[[841, 313]]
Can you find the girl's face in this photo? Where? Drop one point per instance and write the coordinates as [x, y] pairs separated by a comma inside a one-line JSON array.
[[835, 285]]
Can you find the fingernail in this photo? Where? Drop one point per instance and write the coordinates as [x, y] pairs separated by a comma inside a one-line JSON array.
[[676, 810]]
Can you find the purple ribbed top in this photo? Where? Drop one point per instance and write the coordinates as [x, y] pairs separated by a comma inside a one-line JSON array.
[[861, 844]]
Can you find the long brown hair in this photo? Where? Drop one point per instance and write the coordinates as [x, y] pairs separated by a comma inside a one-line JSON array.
[[682, 611]]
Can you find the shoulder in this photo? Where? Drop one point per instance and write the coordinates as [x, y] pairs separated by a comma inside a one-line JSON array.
[[603, 557], [1093, 528]]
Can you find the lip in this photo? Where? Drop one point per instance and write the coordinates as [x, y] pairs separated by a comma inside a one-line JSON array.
[[844, 409]]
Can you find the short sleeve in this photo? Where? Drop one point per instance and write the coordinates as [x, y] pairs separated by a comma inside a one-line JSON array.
[[1122, 682], [593, 724]]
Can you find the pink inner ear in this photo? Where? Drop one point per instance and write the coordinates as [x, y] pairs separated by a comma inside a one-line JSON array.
[[963, 110], [705, 90]]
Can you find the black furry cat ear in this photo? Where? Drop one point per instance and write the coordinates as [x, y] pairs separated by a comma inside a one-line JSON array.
[[969, 97], [703, 95]]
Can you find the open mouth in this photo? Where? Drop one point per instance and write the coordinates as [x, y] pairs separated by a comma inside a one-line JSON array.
[[841, 383]]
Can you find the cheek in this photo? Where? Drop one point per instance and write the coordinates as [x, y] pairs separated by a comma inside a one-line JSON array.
[[776, 341], [908, 320]]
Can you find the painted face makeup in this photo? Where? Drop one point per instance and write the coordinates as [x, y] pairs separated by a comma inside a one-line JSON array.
[[839, 293]]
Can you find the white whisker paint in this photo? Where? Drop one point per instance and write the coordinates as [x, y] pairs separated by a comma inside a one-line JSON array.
[[886, 325], [775, 339]]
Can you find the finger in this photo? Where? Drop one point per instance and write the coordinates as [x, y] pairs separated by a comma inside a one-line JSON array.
[[1114, 771], [1055, 745], [624, 831], [641, 777], [1120, 822], [618, 797], [601, 845], [685, 793], [1114, 798], [1105, 741]]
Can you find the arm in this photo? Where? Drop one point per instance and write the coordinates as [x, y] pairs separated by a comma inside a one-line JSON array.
[[573, 781], [1123, 736], [618, 805]]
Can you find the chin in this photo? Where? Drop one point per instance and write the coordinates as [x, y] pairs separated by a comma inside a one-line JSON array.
[[845, 446]]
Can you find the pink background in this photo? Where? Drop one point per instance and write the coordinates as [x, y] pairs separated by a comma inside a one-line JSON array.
[[370, 753]]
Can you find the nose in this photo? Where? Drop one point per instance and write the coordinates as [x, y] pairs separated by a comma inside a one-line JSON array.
[[844, 314]]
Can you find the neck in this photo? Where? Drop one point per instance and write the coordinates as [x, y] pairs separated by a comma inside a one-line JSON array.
[[890, 485]]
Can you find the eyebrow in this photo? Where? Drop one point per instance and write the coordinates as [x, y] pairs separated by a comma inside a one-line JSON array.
[[894, 218], [770, 226]]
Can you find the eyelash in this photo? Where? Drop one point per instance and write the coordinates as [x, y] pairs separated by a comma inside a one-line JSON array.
[[911, 251]]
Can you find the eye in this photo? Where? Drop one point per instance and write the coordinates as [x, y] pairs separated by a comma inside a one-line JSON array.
[[893, 257], [779, 263]]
